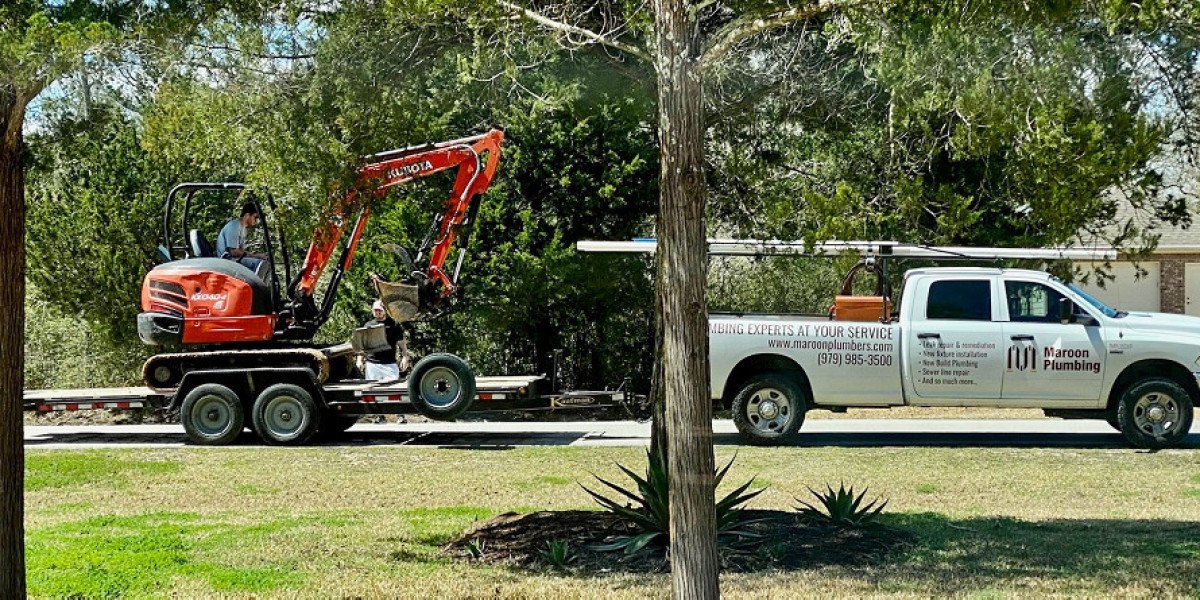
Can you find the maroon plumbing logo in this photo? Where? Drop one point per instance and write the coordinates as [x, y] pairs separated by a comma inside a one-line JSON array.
[[1022, 357]]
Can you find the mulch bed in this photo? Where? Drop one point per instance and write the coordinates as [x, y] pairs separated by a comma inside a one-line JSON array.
[[786, 540]]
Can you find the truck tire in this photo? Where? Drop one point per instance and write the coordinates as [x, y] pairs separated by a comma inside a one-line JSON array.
[[441, 386], [1112, 418], [769, 409], [1155, 413], [285, 415], [212, 415]]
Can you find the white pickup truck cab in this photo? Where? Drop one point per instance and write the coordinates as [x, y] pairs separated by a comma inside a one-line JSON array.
[[965, 337]]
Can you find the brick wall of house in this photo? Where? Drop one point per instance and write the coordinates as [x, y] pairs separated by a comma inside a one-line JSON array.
[[1172, 281]]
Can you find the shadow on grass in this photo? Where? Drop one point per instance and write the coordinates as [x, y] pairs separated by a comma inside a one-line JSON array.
[[921, 553], [1161, 556], [957, 440]]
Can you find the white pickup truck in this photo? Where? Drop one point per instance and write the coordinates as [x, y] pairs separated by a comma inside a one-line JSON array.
[[965, 337]]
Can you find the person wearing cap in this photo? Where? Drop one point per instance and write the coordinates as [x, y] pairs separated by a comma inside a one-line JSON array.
[[382, 364], [231, 243]]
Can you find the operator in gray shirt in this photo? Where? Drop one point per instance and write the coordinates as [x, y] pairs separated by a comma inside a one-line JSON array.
[[231, 243]]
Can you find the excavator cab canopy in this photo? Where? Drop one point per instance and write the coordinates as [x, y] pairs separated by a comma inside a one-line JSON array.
[[194, 213]]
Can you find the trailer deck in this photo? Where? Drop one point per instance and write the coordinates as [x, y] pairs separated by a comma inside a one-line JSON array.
[[351, 397]]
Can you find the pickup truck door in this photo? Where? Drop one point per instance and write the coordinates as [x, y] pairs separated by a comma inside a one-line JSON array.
[[953, 342], [1046, 359]]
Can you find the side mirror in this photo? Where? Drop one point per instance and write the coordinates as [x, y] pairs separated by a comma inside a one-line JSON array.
[[1066, 311]]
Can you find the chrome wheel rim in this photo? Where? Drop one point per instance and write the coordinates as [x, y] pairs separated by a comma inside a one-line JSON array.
[[285, 417], [440, 387], [769, 410], [211, 416], [1156, 414]]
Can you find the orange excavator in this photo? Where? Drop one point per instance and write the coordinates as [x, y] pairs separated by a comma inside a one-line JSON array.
[[222, 318]]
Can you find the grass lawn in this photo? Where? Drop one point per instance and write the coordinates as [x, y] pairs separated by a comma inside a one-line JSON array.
[[369, 522]]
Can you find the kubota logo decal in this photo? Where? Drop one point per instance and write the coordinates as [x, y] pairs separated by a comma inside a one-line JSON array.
[[202, 297], [407, 170]]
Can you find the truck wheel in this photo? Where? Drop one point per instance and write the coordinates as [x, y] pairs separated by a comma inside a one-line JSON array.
[[769, 410], [212, 415], [285, 414], [1155, 413], [441, 386]]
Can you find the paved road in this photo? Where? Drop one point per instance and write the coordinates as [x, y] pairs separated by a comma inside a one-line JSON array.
[[817, 432]]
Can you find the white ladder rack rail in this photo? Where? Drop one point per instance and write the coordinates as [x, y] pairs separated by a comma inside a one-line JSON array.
[[746, 247]]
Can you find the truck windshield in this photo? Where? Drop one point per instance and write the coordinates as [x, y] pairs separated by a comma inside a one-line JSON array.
[[1104, 308]]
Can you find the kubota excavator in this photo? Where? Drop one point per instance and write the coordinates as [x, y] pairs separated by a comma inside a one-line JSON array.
[[237, 323]]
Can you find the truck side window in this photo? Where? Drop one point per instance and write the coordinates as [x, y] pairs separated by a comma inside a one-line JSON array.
[[962, 300], [1030, 302]]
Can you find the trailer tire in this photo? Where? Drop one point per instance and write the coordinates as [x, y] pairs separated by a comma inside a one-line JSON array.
[[1154, 413], [212, 415], [769, 409], [441, 386], [286, 415]]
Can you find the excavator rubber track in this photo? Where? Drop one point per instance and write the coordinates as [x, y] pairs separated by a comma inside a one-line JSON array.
[[164, 372]]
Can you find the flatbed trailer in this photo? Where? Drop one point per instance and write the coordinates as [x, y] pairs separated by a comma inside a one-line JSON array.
[[345, 401]]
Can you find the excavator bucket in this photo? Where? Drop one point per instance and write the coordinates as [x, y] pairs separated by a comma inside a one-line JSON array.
[[401, 300]]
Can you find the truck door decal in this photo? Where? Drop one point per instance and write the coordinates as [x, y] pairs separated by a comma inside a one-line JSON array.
[[1022, 357]]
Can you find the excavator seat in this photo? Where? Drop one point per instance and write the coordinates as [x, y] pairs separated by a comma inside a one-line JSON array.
[[199, 245]]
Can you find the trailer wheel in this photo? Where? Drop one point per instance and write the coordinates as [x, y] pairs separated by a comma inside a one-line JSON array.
[[441, 386], [285, 414], [1155, 413], [769, 410], [212, 415]]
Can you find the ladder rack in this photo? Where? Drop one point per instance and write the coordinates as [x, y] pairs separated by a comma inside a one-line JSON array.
[[742, 247]]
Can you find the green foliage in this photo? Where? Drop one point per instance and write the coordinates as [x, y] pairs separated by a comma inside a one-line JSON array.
[[928, 123], [917, 122], [558, 553], [64, 349], [94, 217], [580, 162], [652, 515], [778, 284], [841, 507], [476, 548], [39, 42]]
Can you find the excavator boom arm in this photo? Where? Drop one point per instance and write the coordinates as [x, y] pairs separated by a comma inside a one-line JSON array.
[[476, 159]]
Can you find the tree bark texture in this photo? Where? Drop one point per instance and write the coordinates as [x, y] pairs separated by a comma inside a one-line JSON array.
[[658, 407], [682, 253], [12, 349]]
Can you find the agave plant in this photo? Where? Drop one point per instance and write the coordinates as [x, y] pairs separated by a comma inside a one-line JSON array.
[[842, 508], [650, 510], [558, 553]]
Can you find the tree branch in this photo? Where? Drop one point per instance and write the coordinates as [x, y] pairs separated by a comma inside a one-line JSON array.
[[294, 56], [740, 30], [568, 29], [14, 120]]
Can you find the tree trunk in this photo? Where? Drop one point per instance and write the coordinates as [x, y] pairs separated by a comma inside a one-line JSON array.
[[658, 396], [682, 254], [12, 359]]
